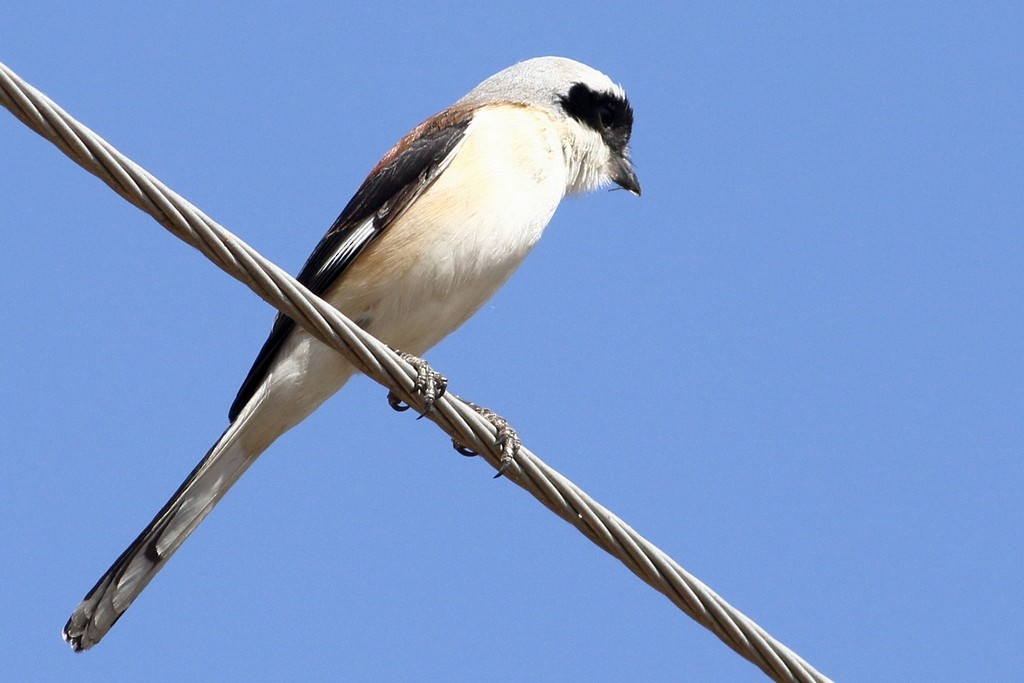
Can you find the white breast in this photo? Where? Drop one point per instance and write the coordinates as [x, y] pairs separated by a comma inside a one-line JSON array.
[[436, 264], [463, 237]]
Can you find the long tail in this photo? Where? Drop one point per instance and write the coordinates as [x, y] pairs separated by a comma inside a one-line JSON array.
[[262, 420], [139, 563]]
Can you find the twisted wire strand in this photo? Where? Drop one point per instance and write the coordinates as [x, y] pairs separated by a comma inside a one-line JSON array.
[[384, 366]]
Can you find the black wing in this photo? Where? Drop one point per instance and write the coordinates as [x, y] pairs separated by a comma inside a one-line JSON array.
[[407, 170]]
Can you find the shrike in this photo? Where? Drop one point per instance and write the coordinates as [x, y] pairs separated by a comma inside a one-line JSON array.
[[439, 224]]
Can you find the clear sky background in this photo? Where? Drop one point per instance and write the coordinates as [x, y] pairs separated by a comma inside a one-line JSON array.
[[795, 363]]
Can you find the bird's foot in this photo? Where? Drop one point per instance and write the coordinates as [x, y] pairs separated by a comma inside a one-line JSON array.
[[429, 384], [506, 437]]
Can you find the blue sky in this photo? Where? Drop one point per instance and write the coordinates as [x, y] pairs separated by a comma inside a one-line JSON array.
[[794, 363]]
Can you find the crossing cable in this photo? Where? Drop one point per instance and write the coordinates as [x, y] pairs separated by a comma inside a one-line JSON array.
[[380, 363]]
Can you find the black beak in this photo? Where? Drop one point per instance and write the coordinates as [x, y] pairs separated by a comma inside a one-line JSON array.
[[623, 175]]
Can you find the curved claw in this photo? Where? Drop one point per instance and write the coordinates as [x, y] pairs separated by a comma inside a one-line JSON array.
[[510, 444], [429, 384], [463, 450], [396, 403], [503, 468], [506, 439]]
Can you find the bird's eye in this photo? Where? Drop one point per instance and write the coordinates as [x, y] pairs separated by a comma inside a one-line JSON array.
[[605, 116]]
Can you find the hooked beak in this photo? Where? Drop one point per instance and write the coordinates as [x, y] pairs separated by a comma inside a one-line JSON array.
[[623, 175]]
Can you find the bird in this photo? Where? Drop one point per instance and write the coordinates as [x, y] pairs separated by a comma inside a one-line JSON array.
[[438, 225]]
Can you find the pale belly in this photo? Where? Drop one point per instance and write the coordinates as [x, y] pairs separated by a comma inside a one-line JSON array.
[[439, 262]]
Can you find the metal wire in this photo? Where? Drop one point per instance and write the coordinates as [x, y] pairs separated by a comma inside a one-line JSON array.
[[384, 366]]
